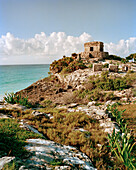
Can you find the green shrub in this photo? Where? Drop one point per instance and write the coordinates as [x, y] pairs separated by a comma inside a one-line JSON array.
[[96, 95], [96, 85], [105, 83], [10, 98], [17, 99], [134, 91], [106, 65], [57, 162], [66, 65], [109, 96], [10, 166], [113, 57], [124, 61], [90, 66], [131, 56]]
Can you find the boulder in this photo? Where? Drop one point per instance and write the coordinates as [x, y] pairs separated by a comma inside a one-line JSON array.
[[45, 151]]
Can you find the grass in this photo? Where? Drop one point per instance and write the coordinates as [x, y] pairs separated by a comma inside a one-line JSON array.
[[10, 166], [63, 128], [12, 138], [129, 115]]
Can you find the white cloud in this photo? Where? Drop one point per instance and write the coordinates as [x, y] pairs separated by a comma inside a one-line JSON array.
[[45, 48], [123, 48]]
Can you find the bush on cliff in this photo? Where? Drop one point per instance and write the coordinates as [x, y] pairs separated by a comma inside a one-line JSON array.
[[104, 82], [113, 57], [99, 87], [131, 56], [66, 65]]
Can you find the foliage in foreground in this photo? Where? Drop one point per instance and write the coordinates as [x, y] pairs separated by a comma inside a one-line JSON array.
[[122, 142], [65, 128], [12, 138], [17, 99]]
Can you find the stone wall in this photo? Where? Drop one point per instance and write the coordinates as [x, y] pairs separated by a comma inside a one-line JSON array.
[[93, 50], [97, 67], [94, 46], [126, 67], [113, 68]]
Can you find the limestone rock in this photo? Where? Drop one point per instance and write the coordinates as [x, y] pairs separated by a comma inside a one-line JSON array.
[[36, 113], [45, 151], [72, 105], [91, 103], [4, 160]]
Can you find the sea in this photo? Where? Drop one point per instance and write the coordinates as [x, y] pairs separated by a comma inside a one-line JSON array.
[[14, 78]]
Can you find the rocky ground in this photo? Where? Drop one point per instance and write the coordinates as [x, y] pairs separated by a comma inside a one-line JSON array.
[[59, 88], [46, 154]]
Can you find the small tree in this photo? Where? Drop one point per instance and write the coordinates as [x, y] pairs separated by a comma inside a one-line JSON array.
[[131, 56]]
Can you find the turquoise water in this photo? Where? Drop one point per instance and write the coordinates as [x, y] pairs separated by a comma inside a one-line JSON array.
[[16, 77]]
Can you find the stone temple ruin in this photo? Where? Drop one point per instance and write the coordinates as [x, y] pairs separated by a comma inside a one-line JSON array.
[[93, 52]]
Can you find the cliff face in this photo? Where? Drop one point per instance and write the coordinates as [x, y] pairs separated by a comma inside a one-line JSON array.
[[76, 87], [76, 78], [86, 95]]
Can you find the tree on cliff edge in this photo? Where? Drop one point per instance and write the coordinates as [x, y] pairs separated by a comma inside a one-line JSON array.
[[132, 56]]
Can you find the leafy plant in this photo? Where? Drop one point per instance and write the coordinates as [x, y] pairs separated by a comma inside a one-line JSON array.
[[10, 98], [122, 143], [10, 166], [17, 99], [90, 66], [124, 61]]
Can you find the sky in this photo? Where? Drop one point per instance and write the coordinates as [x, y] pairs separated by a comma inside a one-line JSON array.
[[40, 31]]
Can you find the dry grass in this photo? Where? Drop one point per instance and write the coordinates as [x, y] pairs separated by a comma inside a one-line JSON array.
[[129, 115], [64, 128]]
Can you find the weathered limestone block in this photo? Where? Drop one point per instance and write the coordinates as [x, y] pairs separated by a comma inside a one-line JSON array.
[[97, 67], [113, 68]]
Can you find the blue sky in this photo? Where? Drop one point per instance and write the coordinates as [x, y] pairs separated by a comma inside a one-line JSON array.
[[110, 21]]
